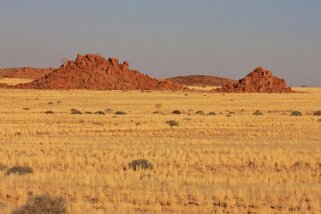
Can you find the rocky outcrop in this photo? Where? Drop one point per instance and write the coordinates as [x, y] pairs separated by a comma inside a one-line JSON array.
[[201, 80], [95, 72], [260, 80]]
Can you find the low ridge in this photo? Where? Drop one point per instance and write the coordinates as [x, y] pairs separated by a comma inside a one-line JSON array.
[[201, 80]]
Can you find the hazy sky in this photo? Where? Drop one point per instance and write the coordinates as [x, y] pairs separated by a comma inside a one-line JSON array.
[[169, 37]]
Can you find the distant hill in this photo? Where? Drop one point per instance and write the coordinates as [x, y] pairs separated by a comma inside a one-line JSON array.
[[201, 80]]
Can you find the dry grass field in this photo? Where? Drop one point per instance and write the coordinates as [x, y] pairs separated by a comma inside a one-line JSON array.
[[15, 81], [230, 162]]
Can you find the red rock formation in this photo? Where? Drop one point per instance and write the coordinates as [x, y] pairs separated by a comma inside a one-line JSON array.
[[201, 80], [95, 72], [260, 80]]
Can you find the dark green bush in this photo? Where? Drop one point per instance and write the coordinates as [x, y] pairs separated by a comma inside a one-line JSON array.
[[20, 170], [100, 113], [75, 111], [172, 123], [49, 112], [44, 204], [176, 112], [200, 113], [296, 113], [317, 113], [120, 113], [140, 164], [257, 113], [211, 113]]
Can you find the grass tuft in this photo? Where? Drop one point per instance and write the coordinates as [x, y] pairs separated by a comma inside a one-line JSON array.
[[75, 111], [140, 164], [296, 113], [200, 113], [176, 112], [172, 123], [317, 113], [120, 113], [257, 113], [100, 113]]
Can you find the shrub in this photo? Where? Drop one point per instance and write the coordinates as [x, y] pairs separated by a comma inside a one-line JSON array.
[[88, 112], [296, 113], [75, 111], [2, 167], [317, 113], [20, 170], [172, 123], [199, 112], [176, 112], [49, 112], [100, 113], [120, 113], [26, 109], [44, 204], [211, 113], [50, 103], [140, 164], [257, 113]]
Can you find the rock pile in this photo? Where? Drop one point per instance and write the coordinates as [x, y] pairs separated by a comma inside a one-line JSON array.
[[95, 72], [260, 80]]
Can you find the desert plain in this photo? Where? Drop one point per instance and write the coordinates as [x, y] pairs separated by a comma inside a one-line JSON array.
[[209, 152]]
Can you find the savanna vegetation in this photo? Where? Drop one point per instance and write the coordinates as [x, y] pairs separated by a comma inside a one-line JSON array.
[[109, 152]]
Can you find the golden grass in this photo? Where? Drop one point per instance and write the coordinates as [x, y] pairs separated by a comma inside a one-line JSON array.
[[233, 161], [202, 88], [15, 81]]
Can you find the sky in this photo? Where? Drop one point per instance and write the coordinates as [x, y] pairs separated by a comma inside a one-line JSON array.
[[169, 37]]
